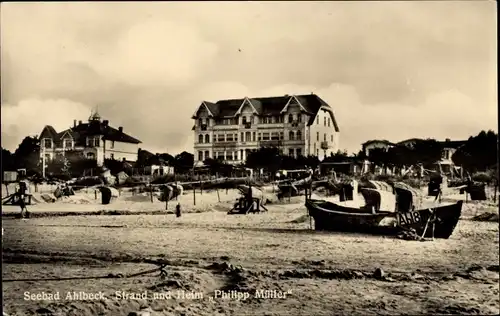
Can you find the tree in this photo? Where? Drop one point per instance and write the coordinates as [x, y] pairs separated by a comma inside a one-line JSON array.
[[218, 166], [58, 168], [183, 162], [114, 166], [379, 157], [339, 156], [78, 163], [479, 153], [27, 155], [8, 161], [266, 157], [427, 152]]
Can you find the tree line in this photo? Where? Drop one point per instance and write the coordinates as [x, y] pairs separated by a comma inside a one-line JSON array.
[[479, 153]]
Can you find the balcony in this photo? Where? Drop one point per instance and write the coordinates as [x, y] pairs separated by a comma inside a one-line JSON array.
[[270, 143], [324, 145], [247, 125], [228, 144]]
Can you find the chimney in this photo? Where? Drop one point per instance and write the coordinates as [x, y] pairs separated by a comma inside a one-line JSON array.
[[448, 140], [120, 129], [105, 122], [79, 122], [74, 123]]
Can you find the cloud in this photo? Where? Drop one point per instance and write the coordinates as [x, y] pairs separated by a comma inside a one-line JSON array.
[[28, 117], [389, 69]]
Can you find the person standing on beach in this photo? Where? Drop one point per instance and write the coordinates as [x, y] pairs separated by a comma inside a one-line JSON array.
[[21, 194]]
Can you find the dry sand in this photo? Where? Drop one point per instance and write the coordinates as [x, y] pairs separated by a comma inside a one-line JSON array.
[[208, 251]]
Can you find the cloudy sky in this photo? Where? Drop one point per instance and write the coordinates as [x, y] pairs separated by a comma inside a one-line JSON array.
[[390, 70]]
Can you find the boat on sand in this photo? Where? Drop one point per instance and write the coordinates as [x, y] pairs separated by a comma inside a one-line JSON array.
[[385, 212]]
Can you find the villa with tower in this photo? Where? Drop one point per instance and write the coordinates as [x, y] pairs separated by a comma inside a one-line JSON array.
[[96, 139]]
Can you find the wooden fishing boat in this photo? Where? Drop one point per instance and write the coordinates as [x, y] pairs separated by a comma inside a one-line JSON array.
[[429, 219]]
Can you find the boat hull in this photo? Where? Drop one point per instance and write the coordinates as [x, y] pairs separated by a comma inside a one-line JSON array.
[[334, 217], [330, 216], [442, 219]]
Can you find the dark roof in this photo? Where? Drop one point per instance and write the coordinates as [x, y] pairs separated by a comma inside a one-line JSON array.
[[377, 141], [79, 132], [269, 106], [111, 133], [49, 132], [452, 143], [409, 140]]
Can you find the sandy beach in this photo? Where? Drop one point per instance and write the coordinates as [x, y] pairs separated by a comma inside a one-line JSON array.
[[217, 264]]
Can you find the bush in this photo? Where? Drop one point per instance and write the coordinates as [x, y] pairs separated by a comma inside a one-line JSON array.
[[485, 177]]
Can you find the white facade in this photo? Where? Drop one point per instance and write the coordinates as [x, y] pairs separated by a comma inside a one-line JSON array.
[[324, 140], [232, 138], [120, 150]]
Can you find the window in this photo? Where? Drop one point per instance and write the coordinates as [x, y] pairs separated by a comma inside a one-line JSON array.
[[299, 152], [200, 155], [112, 144], [290, 152], [328, 120], [244, 119], [282, 135], [259, 137], [324, 137], [200, 139], [90, 156], [299, 135], [290, 135], [317, 136], [317, 120], [265, 136], [324, 121], [236, 137], [253, 136], [317, 152], [275, 136], [200, 122], [229, 137], [290, 118], [248, 136], [331, 138], [47, 143], [220, 155], [47, 157], [68, 143], [299, 118], [207, 138], [314, 147], [96, 142], [112, 156], [220, 138], [207, 154]]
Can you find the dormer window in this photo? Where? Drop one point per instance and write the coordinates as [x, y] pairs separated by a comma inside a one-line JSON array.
[[47, 143]]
